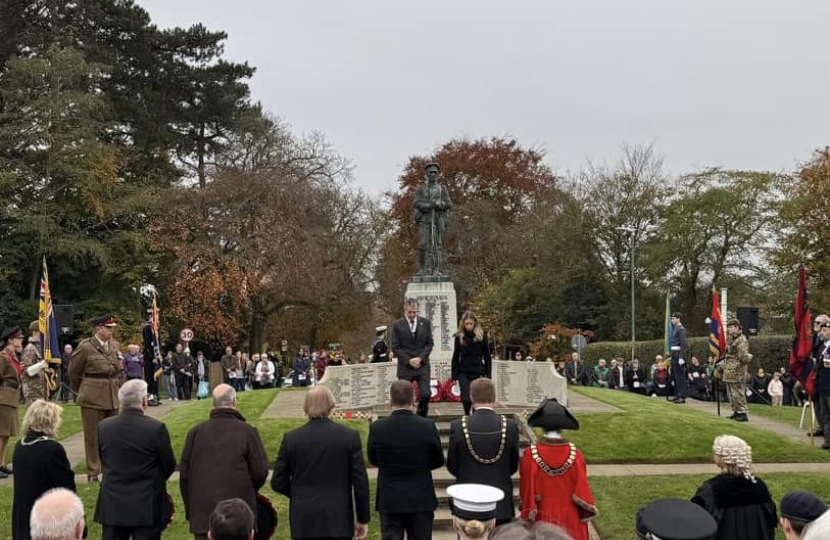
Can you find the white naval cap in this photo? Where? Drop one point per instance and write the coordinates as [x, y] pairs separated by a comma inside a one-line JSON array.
[[380, 329], [474, 501]]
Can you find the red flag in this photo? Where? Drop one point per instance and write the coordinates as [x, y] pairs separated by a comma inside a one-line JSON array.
[[717, 338], [801, 363]]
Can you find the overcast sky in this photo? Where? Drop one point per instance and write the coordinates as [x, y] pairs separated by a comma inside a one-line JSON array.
[[738, 84]]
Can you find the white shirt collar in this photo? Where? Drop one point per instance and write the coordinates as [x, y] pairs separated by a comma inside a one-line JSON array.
[[485, 409]]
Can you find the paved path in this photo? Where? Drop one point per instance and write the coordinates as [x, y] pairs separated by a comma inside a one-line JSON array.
[[781, 428], [288, 404]]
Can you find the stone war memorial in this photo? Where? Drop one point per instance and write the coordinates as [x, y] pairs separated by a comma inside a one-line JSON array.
[[363, 386]]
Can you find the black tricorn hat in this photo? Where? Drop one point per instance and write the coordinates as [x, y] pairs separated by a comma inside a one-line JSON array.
[[11, 332], [675, 519], [552, 416]]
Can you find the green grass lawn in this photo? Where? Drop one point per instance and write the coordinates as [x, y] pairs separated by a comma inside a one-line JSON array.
[[71, 424], [619, 498], [787, 415], [179, 530], [652, 430]]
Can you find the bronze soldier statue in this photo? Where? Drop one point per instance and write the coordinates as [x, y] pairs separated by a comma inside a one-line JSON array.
[[432, 204], [96, 375]]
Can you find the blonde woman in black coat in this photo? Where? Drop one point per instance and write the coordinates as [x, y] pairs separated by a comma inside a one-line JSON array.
[[470, 356], [40, 463]]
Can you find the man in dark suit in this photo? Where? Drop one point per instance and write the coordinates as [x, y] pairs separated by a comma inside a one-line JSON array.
[[320, 468], [412, 343], [405, 448], [484, 448], [137, 460]]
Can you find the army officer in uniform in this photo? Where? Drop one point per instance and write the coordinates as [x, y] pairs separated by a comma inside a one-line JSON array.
[[95, 375]]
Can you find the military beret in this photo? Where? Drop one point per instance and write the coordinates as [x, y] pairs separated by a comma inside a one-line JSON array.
[[474, 501], [104, 320], [431, 165], [825, 324], [552, 416], [675, 519], [802, 506], [11, 332]]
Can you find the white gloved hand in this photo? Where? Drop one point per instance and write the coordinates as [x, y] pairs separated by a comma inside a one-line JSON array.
[[680, 362], [34, 369]]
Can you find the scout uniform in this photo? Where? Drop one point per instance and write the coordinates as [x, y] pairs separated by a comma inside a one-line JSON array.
[[34, 379], [95, 374], [675, 519]]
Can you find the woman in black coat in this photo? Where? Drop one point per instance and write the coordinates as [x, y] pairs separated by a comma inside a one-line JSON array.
[[470, 356], [740, 503], [40, 463]]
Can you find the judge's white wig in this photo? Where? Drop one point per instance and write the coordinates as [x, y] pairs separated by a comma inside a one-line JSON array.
[[733, 455]]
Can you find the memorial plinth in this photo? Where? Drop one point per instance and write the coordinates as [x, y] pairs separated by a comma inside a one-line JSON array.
[[437, 300], [518, 384]]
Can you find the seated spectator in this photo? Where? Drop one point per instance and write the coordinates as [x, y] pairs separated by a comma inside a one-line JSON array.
[[799, 509], [739, 502], [616, 379], [264, 374], [635, 377], [231, 520], [58, 515], [697, 384], [660, 380], [759, 383], [776, 390], [600, 375]]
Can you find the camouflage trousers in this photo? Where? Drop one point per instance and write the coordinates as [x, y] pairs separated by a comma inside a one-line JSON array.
[[736, 392]]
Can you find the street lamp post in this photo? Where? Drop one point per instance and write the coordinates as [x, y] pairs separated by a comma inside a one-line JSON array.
[[631, 230]]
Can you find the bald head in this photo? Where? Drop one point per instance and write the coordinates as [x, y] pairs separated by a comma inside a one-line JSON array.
[[224, 397], [57, 515]]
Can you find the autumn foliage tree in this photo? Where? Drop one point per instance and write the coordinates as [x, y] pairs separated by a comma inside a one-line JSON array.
[[491, 182]]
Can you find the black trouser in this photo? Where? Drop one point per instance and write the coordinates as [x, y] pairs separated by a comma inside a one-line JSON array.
[[183, 384], [464, 380], [150, 377], [125, 533], [424, 393], [822, 406], [417, 526], [679, 372]]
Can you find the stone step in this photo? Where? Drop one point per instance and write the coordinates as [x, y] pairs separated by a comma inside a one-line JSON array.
[[442, 478]]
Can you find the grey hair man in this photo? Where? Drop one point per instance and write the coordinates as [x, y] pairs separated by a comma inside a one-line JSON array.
[[227, 462], [137, 459], [231, 520], [57, 515]]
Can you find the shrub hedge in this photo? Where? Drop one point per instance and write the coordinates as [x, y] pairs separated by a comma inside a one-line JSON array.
[[768, 352]]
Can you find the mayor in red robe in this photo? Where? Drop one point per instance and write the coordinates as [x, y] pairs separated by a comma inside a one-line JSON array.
[[553, 477]]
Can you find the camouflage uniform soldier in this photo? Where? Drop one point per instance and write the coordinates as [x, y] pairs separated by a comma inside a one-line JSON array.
[[34, 378], [735, 369], [96, 375]]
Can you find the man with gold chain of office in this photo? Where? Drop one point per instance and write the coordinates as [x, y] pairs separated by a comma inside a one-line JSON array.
[[95, 373], [484, 447]]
